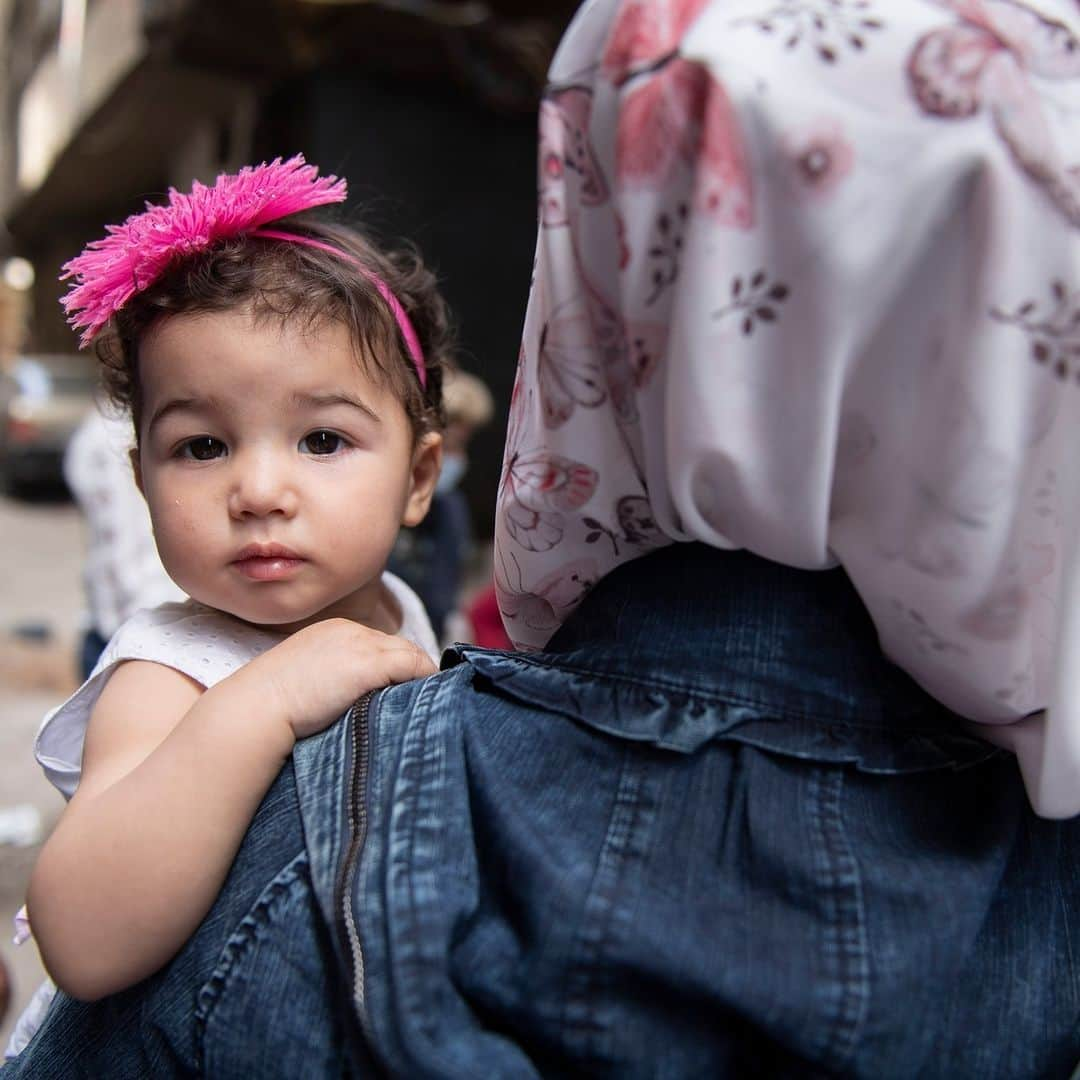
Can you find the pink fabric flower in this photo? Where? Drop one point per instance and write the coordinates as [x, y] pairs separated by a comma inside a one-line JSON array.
[[135, 254], [820, 158]]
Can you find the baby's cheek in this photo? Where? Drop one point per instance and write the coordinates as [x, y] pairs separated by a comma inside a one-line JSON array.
[[177, 533]]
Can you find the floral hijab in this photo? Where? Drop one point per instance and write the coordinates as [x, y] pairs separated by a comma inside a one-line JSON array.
[[808, 283]]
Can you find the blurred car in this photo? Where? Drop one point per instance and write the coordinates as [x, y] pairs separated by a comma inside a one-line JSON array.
[[43, 397]]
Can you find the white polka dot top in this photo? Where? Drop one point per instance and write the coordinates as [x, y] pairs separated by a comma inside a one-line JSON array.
[[202, 643]]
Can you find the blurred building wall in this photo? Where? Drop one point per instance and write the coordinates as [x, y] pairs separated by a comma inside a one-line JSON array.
[[13, 302]]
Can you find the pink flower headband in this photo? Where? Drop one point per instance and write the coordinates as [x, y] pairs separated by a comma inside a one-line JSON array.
[[109, 272]]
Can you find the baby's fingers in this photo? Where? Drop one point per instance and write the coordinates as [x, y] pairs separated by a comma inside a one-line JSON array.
[[399, 661]]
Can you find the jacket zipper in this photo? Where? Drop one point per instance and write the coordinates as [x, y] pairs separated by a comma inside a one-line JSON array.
[[356, 820]]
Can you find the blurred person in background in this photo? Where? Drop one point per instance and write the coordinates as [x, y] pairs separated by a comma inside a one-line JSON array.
[[432, 557], [483, 620], [122, 572]]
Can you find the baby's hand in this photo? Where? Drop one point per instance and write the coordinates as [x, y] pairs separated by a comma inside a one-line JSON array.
[[318, 672]]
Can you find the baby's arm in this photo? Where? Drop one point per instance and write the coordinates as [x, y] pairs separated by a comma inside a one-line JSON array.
[[171, 778]]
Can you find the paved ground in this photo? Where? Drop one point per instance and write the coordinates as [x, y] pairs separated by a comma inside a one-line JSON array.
[[41, 544]]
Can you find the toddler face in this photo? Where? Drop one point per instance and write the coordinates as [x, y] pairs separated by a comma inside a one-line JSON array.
[[276, 471]]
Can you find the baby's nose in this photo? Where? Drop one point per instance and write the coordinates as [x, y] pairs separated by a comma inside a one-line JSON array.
[[262, 486]]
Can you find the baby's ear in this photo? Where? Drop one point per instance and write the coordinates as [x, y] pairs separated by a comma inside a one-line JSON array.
[[426, 465], [136, 469]]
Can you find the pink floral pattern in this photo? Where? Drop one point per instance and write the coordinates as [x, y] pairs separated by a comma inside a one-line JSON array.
[[676, 114], [1052, 327], [986, 62], [644, 30], [584, 358], [551, 599], [830, 27], [570, 363], [536, 486], [566, 155], [819, 158], [842, 336]]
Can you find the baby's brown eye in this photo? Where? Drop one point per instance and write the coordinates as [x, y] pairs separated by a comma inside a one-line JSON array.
[[204, 448], [322, 442]]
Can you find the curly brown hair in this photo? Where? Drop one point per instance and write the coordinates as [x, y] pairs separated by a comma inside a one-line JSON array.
[[287, 281]]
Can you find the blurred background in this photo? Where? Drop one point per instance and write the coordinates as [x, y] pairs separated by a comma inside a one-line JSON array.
[[427, 106]]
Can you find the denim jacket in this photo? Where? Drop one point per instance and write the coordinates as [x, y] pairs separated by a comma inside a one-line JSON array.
[[513, 848], [710, 831]]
